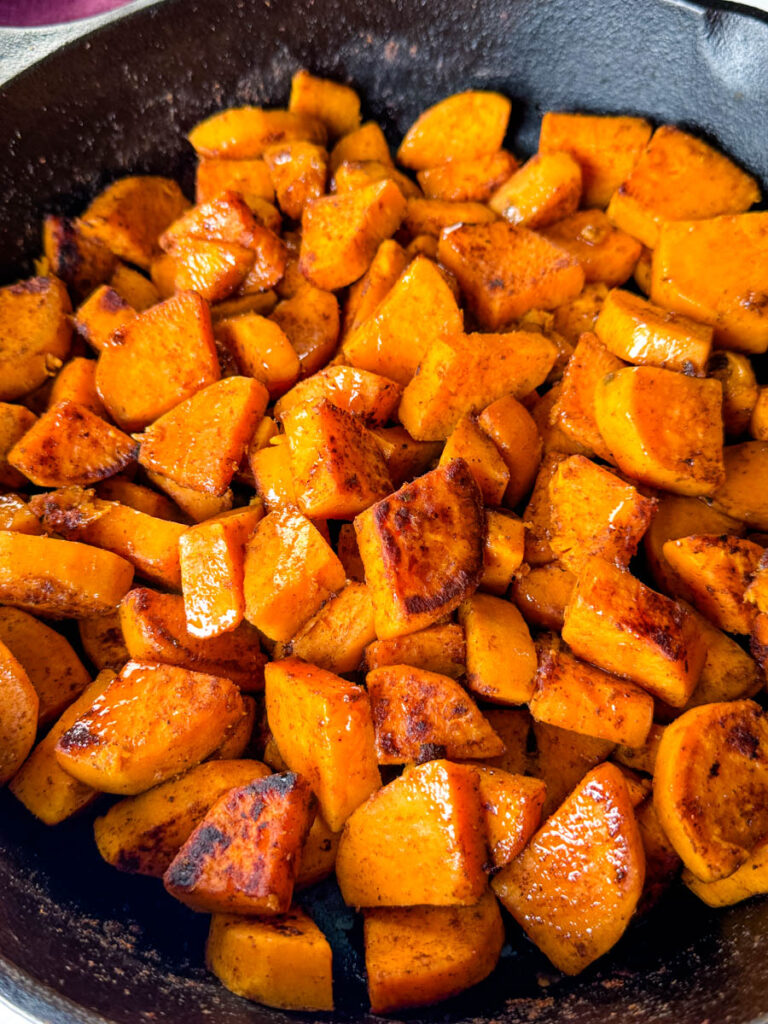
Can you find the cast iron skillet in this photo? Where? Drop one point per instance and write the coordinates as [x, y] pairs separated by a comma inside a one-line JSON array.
[[78, 941]]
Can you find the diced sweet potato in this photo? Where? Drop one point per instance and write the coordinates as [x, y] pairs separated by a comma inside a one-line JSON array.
[[422, 549], [438, 649], [15, 421], [676, 178], [419, 840], [212, 269], [133, 287], [137, 496], [243, 133], [618, 624], [504, 271], [248, 177], [466, 125], [310, 320], [244, 854], [260, 349], [501, 658], [514, 727], [574, 410], [758, 641], [150, 723], [512, 806], [35, 334], [102, 640], [538, 512], [81, 262], [432, 216], [366, 294], [240, 738], [420, 716], [662, 864], [605, 253], [102, 314], [273, 479], [298, 171], [510, 426], [16, 516], [282, 961], [364, 143], [155, 630], [578, 316], [663, 428], [318, 858], [751, 879], [405, 458], [473, 180], [18, 715], [76, 382], [336, 105], [504, 551], [416, 956], [744, 495], [348, 553], [368, 395], [542, 595], [709, 786], [544, 190], [336, 637], [354, 174], [740, 391], [194, 504], [641, 759], [575, 896], [324, 730], [468, 442], [758, 423], [561, 758]]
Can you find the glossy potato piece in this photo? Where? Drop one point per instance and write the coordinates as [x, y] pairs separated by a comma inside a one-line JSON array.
[[662, 864], [465, 125], [82, 263], [18, 715], [561, 758], [744, 495], [194, 504], [605, 253], [509, 424], [545, 189], [261, 350], [243, 133], [473, 180], [512, 806], [470, 443], [422, 549], [150, 723], [101, 637], [574, 410], [35, 334], [751, 879], [542, 594], [270, 467], [736, 373], [364, 143], [248, 177], [537, 514], [336, 637], [432, 216], [504, 551], [501, 658], [215, 270], [641, 759], [76, 382], [405, 457], [335, 104], [102, 314], [298, 171], [310, 320], [368, 395], [573, 896], [417, 956], [354, 174], [710, 785], [15, 421], [439, 649], [418, 841], [133, 287], [663, 428], [366, 294], [323, 728], [139, 497]]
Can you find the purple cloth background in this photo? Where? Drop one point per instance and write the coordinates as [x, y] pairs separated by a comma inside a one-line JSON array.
[[48, 12]]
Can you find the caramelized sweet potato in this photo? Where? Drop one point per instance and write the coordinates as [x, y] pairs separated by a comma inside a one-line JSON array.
[[545, 189], [466, 125], [468, 442], [364, 143], [561, 758], [366, 294], [15, 422], [501, 658], [16, 516], [437, 649], [248, 177], [405, 458], [473, 180], [542, 595], [758, 422], [744, 495], [102, 314], [336, 105], [736, 373], [509, 424], [101, 637], [35, 334], [194, 504], [751, 879], [260, 349], [368, 395], [355, 174], [215, 270], [18, 715], [504, 551], [298, 171], [538, 512], [641, 759], [133, 287], [76, 382], [243, 133], [336, 637], [80, 261], [310, 320], [574, 410], [432, 216], [605, 253], [272, 476]]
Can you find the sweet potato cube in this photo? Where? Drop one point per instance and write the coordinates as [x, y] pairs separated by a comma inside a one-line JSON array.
[[151, 722], [243, 133], [544, 190], [574, 410], [663, 428], [310, 320], [504, 271], [757, 591], [324, 730], [212, 269], [35, 334], [336, 105], [716, 570], [248, 177], [354, 174], [641, 759], [422, 549], [736, 373], [101, 637], [194, 504], [18, 715], [538, 513], [710, 776], [542, 595], [369, 396], [366, 294], [432, 216], [71, 445], [157, 360], [272, 475], [470, 443], [605, 252], [639, 332], [341, 233], [593, 512], [336, 637], [465, 125], [678, 177], [416, 956], [418, 841], [137, 496], [298, 171], [15, 421], [511, 427], [318, 857], [260, 349], [512, 805], [57, 577], [418, 310], [501, 657], [437, 649], [751, 879], [590, 846], [465, 373], [133, 287], [76, 382], [211, 557], [758, 641], [155, 629], [405, 457], [504, 551], [244, 854], [623, 627], [514, 727], [758, 424], [81, 262], [364, 143], [744, 495], [102, 314], [421, 716], [561, 758], [473, 180], [731, 251], [282, 961], [241, 736]]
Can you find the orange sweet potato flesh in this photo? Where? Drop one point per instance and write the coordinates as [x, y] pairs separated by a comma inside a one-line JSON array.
[[243, 133], [298, 171], [337, 105], [15, 421], [512, 805], [466, 125], [538, 513], [510, 426], [336, 637], [310, 319], [18, 715], [405, 457], [35, 336], [439, 649], [248, 177], [82, 263], [416, 956], [561, 758], [367, 142], [368, 395], [150, 723], [473, 180], [545, 189], [154, 626], [641, 759], [574, 410], [422, 549], [243, 856], [101, 637], [420, 716], [504, 551], [418, 841], [710, 783], [324, 730], [431, 216], [272, 476], [501, 658], [741, 393], [140, 497], [102, 314], [261, 350], [215, 270], [133, 287], [157, 360], [605, 253], [744, 495], [365, 295], [469, 442], [542, 595], [76, 382]]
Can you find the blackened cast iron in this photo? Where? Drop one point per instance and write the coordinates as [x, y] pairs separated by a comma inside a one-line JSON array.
[[80, 942]]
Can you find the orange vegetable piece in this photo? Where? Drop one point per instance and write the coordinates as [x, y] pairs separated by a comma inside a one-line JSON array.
[[751, 879], [18, 715], [538, 512], [35, 334], [512, 806], [605, 253], [438, 649], [298, 171], [248, 177], [273, 479], [578, 316], [133, 287], [15, 421], [81, 262], [470, 443], [758, 424], [472, 180], [643, 758], [367, 395], [405, 458], [336, 637], [380, 277], [740, 390], [542, 595], [364, 143], [501, 658], [243, 133], [212, 269], [354, 174], [466, 125], [514, 432], [431, 216], [336, 105], [143, 499], [743, 495], [544, 190], [561, 758], [194, 504], [504, 551], [260, 349], [310, 320], [76, 382], [514, 727], [101, 638], [574, 410], [102, 314], [16, 516]]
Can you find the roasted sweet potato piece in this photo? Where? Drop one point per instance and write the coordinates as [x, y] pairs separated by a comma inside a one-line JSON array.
[[512, 807], [310, 319], [101, 637], [318, 858], [514, 727], [244, 854], [662, 864], [542, 595], [15, 421], [422, 549], [744, 495], [324, 730], [298, 171], [151, 722], [561, 758], [740, 391], [405, 458], [574, 410], [194, 504], [757, 591], [129, 216], [420, 716], [215, 270], [504, 551], [465, 373], [416, 956], [510, 426], [663, 428], [544, 190], [18, 715], [76, 382], [709, 786], [155, 630], [336, 105], [273, 479], [758, 423], [678, 177], [432, 216], [605, 253], [243, 133], [368, 395], [349, 556], [501, 658], [256, 302], [102, 314], [538, 513], [364, 143], [35, 334], [504, 271], [143, 499], [157, 360], [16, 517], [573, 695], [419, 840], [606, 148], [260, 349], [248, 177], [336, 637], [468, 442], [354, 174], [593, 512], [60, 578], [133, 287], [758, 641], [716, 571], [641, 759], [437, 649], [341, 233], [240, 739], [578, 316], [466, 125], [552, 888], [282, 961], [751, 879], [81, 262], [366, 294], [618, 624], [473, 180], [418, 310]]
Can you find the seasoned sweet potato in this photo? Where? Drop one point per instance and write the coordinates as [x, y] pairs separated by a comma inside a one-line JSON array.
[[298, 171], [76, 382], [133, 287], [758, 641], [15, 422], [248, 177], [751, 879], [261, 350], [368, 395], [80, 261], [542, 595], [150, 723], [504, 551], [662, 864], [16, 517], [366, 294], [355, 174], [736, 373], [336, 637], [439, 649], [432, 216], [538, 512], [243, 133], [511, 427], [272, 476], [416, 956], [574, 410], [605, 253], [324, 730], [240, 739], [574, 896], [405, 457], [310, 320], [35, 334], [578, 316], [501, 658], [545, 189], [641, 759], [318, 858], [194, 504], [514, 727], [101, 637], [102, 314], [336, 105], [215, 270], [469, 442], [512, 807], [561, 758], [364, 143], [758, 423], [473, 180], [466, 125], [18, 715], [143, 499], [419, 840], [744, 495]]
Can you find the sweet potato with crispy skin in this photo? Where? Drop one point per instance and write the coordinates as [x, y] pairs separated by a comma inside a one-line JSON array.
[[35, 334], [439, 649], [243, 133], [336, 637], [501, 659], [542, 594], [744, 495], [465, 125], [545, 189], [512, 806], [605, 252], [18, 715], [102, 314], [504, 551], [310, 320]]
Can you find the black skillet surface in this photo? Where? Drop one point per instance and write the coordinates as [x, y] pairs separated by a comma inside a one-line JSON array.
[[80, 942]]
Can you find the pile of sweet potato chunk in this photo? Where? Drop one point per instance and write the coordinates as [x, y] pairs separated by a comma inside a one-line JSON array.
[[414, 523]]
